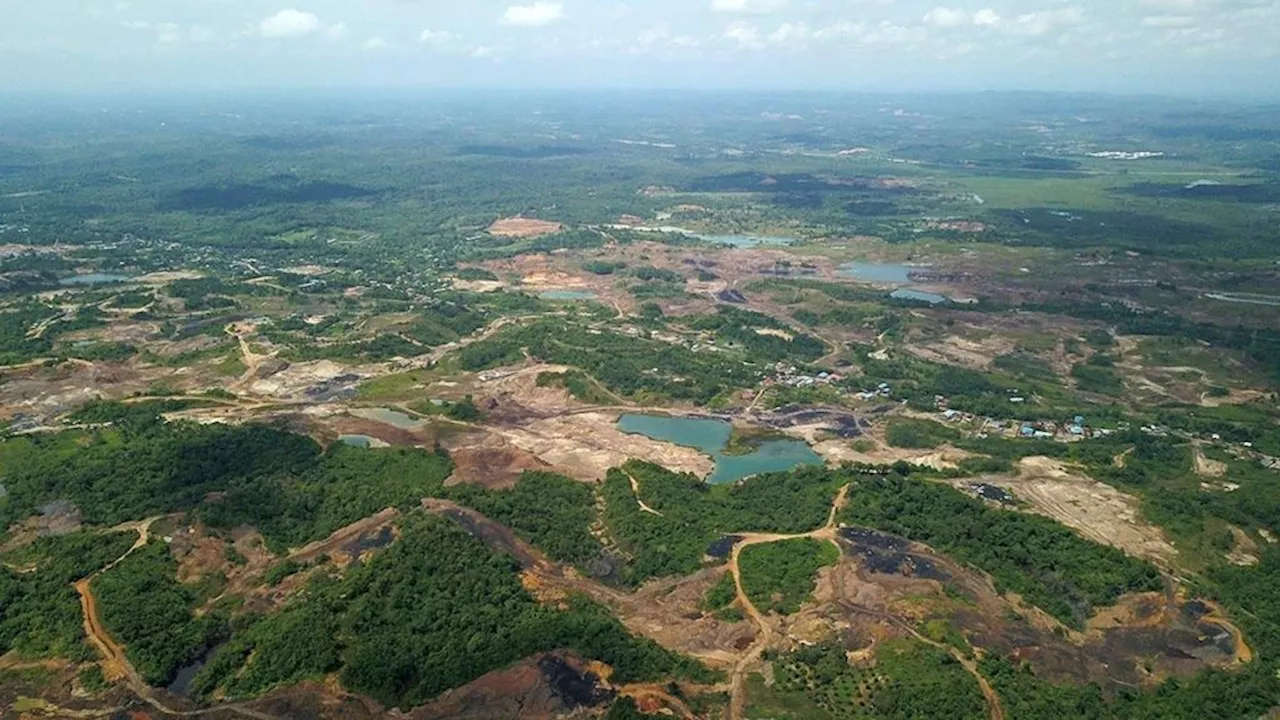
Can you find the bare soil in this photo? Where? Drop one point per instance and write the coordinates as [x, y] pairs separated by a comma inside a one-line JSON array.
[[1096, 510], [517, 227], [487, 460]]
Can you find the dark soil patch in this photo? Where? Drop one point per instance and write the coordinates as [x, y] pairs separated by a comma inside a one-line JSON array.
[[723, 547]]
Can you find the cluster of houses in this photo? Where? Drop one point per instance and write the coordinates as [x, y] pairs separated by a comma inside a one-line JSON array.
[[787, 374]]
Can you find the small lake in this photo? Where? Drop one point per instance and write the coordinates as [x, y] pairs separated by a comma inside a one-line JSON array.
[[745, 241], [394, 418], [568, 295], [896, 273], [182, 681], [93, 279], [738, 241], [931, 298], [711, 437], [360, 441]]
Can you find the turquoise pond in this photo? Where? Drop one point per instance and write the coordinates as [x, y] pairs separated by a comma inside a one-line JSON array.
[[360, 441], [711, 436], [567, 295], [94, 279]]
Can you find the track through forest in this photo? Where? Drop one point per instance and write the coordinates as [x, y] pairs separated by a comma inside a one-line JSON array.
[[738, 683], [115, 664]]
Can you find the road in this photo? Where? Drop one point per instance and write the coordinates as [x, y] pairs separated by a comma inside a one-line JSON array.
[[828, 532], [738, 683], [115, 664], [635, 489]]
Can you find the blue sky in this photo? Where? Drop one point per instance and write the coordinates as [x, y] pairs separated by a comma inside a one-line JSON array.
[[1130, 46]]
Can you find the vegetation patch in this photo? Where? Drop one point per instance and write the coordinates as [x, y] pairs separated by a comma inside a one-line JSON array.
[[41, 615], [908, 680], [918, 434], [779, 576], [147, 610], [694, 514], [432, 612]]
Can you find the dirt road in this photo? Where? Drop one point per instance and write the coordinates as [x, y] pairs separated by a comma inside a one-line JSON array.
[[115, 665], [738, 690], [635, 490], [738, 684]]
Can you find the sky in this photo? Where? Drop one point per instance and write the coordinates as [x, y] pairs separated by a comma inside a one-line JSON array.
[[1184, 47]]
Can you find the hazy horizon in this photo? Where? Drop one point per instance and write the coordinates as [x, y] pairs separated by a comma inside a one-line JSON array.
[[1207, 48]]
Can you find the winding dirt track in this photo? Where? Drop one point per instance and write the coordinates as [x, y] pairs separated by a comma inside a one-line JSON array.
[[635, 489], [115, 664], [738, 684]]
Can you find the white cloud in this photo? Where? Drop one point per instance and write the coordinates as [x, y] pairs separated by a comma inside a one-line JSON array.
[[375, 43], [1046, 21], [986, 18], [201, 34], [289, 24], [752, 7], [169, 33], [436, 37], [790, 34], [747, 36], [538, 14], [336, 31], [484, 51], [944, 17]]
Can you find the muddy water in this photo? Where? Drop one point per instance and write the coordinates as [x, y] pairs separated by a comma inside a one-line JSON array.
[[711, 437]]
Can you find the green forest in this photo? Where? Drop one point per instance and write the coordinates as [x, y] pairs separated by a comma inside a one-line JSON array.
[[694, 514], [433, 611], [779, 577], [146, 609], [41, 615]]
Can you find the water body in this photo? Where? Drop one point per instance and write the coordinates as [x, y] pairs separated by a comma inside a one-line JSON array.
[[897, 273], [745, 241], [931, 298], [182, 681], [394, 418], [567, 295], [711, 437], [739, 241], [360, 441], [93, 279]]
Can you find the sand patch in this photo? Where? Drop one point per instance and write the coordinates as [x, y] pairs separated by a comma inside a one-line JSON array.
[[1207, 467], [840, 451], [1095, 510], [523, 228], [587, 445]]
